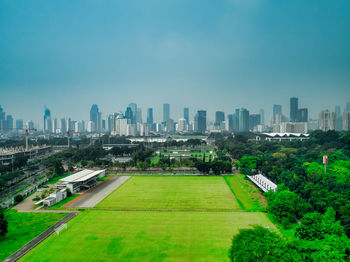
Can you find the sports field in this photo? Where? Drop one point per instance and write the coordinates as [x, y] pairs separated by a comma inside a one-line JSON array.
[[172, 193], [182, 218]]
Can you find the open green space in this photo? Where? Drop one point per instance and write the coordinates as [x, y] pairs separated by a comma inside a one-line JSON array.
[[248, 196], [158, 218], [146, 236], [172, 193], [23, 227]]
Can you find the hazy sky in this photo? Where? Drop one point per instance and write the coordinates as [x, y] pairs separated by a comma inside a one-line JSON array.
[[213, 55]]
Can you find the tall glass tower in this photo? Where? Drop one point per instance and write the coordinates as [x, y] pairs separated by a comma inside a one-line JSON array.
[[166, 112]]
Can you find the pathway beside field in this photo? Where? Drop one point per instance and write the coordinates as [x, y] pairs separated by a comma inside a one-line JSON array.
[[94, 196], [29, 246]]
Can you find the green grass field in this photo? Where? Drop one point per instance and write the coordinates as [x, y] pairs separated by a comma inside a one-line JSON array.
[[146, 236], [172, 193], [248, 196], [23, 227], [156, 218]]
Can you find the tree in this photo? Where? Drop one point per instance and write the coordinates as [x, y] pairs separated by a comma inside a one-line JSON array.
[[285, 205], [261, 244], [316, 226], [3, 223], [18, 198], [247, 164]]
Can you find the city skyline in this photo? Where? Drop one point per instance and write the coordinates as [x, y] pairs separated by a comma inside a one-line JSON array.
[[211, 116], [233, 54]]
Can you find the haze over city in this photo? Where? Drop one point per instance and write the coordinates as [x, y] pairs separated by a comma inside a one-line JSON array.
[[208, 55]]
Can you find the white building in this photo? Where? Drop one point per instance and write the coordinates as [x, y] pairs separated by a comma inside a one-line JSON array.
[[346, 121], [181, 125], [327, 120], [84, 179], [91, 127], [54, 198]]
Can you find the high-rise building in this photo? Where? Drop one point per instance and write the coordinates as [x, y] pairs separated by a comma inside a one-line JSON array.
[[254, 120], [262, 116], [30, 124], [187, 115], [129, 114], [47, 114], [133, 107], [277, 114], [338, 119], [327, 120], [138, 115], [201, 121], [150, 116], [219, 118], [91, 127], [302, 115], [348, 106], [19, 124], [63, 125], [166, 112], [9, 122], [294, 109], [182, 125], [346, 120], [230, 122], [236, 121], [243, 120], [94, 117]]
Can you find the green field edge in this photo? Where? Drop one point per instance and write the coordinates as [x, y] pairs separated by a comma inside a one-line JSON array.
[[233, 192]]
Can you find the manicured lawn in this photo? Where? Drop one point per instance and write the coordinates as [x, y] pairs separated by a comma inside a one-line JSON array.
[[248, 196], [172, 193], [146, 236], [23, 227]]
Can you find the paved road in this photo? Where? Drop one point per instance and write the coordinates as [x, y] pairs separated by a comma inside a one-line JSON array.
[[96, 196]]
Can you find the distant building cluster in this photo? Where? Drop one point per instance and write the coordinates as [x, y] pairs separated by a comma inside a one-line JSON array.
[[130, 121]]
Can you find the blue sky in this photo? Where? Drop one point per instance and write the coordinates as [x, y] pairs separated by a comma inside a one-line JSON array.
[[213, 55]]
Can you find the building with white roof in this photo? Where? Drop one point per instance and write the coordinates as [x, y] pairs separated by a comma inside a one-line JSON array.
[[84, 179]]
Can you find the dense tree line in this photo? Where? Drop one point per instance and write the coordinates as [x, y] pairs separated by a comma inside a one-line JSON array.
[[298, 165], [318, 238]]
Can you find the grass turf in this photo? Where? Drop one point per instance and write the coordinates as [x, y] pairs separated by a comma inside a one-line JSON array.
[[146, 236], [248, 196], [172, 193], [23, 227]]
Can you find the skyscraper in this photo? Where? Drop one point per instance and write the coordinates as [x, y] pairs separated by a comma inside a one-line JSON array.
[[186, 115], [133, 107], [327, 120], [348, 106], [338, 119], [219, 118], [302, 115], [346, 121], [166, 112], [254, 120], [129, 114], [262, 116], [47, 114], [243, 120], [9, 122], [230, 122], [150, 116], [293, 109], [277, 114], [201, 121], [138, 115], [19, 124], [94, 117]]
